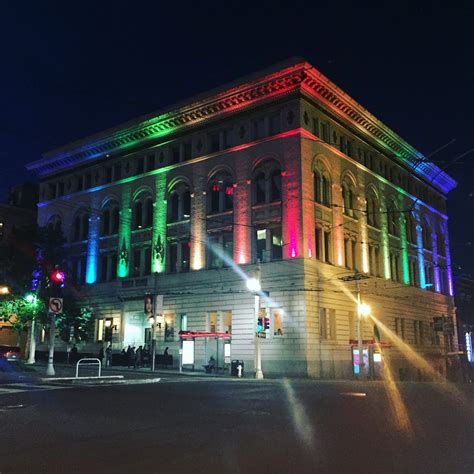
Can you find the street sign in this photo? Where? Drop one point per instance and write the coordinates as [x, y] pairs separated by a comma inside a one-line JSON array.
[[262, 335], [55, 305]]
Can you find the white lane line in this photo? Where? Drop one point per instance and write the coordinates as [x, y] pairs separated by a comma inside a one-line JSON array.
[[353, 394]]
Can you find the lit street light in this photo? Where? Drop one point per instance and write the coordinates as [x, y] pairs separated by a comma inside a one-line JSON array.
[[253, 285], [4, 290]]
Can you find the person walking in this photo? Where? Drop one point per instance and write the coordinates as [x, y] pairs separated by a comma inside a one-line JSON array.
[[108, 356], [138, 357], [130, 356]]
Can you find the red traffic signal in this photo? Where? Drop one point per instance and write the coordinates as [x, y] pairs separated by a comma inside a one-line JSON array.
[[57, 276]]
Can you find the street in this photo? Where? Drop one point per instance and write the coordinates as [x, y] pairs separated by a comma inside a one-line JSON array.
[[186, 424]]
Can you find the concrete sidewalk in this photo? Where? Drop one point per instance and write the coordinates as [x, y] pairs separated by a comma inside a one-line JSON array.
[[22, 372]]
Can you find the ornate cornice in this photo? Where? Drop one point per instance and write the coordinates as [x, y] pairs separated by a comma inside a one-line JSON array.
[[299, 76]]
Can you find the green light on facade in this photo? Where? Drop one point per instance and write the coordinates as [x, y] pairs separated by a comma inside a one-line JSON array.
[[124, 250], [158, 253]]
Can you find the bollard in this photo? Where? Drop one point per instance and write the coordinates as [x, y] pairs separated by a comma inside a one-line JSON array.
[[239, 370]]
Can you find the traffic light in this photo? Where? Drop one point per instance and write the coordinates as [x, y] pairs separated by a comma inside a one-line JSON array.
[[56, 282], [259, 324], [267, 323]]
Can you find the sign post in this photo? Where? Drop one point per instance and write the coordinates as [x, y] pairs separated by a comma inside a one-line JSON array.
[[55, 307]]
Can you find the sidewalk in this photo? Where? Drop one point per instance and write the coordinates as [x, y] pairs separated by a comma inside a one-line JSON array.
[[26, 373]]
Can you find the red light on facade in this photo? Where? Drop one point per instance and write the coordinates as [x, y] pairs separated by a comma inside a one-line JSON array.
[[229, 190], [216, 187], [284, 173], [189, 244]]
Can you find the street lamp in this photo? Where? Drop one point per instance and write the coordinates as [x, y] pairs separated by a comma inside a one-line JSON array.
[[4, 290], [253, 285], [363, 310]]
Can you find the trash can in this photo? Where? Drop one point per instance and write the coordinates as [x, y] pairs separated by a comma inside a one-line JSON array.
[[234, 371]]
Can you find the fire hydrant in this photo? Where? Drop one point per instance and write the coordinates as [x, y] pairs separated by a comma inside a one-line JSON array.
[[239, 370]]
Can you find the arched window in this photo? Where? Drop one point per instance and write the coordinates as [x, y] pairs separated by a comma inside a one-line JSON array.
[[276, 185], [106, 222], [85, 227], [348, 199], [220, 194], [322, 186], [148, 222], [372, 209], [393, 220], [260, 188], [179, 203], [115, 220], [267, 182], [426, 236], [138, 215], [440, 244]]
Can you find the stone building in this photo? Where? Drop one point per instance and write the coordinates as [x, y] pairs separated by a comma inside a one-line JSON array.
[[283, 168]]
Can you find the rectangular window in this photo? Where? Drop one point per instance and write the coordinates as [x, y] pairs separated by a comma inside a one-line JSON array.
[[227, 321], [377, 261], [187, 151], [150, 162], [113, 266], [417, 331], [317, 242], [60, 189], [277, 244], [354, 255], [346, 253], [275, 124], [140, 165], [108, 174], [277, 322], [261, 244], [103, 268], [324, 134], [327, 246], [100, 330], [185, 256], [175, 154], [147, 262], [137, 254], [316, 127], [227, 138], [228, 245], [212, 317], [182, 322], [259, 128], [170, 320], [400, 328], [82, 278], [323, 323], [117, 171], [214, 143], [88, 179], [173, 256]]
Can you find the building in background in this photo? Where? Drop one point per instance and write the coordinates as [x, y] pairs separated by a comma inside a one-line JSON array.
[[283, 168], [464, 298], [19, 212]]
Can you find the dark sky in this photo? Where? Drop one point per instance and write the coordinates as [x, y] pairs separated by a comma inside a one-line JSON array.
[[74, 68]]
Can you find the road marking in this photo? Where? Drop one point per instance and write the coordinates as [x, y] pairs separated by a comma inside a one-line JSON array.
[[353, 394]]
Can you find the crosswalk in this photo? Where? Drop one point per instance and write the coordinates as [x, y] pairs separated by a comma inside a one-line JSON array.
[[18, 387]]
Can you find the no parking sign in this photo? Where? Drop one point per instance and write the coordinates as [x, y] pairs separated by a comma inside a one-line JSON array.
[[56, 305]]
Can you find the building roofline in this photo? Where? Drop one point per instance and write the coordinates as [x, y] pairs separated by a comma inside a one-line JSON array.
[[277, 80]]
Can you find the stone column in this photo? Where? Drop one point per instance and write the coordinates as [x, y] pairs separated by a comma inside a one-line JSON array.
[[385, 243], [158, 247], [93, 248], [198, 220]]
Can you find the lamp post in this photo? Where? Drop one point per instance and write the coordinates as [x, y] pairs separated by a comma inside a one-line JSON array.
[[32, 299], [253, 285]]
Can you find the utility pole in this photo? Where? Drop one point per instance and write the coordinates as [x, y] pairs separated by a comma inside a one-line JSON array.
[[362, 310], [153, 334]]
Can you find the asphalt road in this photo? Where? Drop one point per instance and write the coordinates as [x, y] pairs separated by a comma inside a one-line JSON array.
[[204, 425]]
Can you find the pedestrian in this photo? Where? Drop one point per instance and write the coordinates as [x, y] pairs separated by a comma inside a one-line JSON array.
[[108, 356], [101, 354], [130, 356], [165, 353], [74, 354], [138, 357]]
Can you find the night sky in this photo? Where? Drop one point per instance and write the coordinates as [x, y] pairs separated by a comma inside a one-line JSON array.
[[74, 68]]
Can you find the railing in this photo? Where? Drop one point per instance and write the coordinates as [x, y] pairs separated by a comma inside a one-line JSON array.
[[89, 359]]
